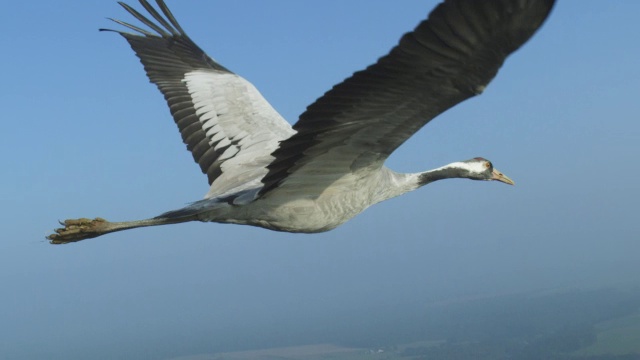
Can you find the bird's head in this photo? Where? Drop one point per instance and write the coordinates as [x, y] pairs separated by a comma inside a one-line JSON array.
[[474, 169], [481, 169]]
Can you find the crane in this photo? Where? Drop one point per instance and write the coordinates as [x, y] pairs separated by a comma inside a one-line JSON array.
[[329, 166]]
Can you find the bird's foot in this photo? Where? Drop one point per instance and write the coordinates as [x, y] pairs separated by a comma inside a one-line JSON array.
[[78, 229]]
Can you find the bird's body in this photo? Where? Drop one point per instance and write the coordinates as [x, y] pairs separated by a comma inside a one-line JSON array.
[[303, 214], [329, 166]]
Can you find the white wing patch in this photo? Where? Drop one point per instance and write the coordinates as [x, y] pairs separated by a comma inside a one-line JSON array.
[[236, 120]]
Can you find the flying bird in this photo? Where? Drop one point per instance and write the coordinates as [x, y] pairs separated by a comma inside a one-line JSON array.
[[329, 166]]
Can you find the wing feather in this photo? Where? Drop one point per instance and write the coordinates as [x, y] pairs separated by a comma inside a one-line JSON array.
[[447, 59], [220, 115]]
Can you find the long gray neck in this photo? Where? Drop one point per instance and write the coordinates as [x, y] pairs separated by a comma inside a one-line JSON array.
[[394, 184], [445, 172]]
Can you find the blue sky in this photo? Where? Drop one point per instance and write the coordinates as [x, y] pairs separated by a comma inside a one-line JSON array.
[[85, 134]]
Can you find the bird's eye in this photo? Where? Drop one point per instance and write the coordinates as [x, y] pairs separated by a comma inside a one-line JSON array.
[[488, 165]]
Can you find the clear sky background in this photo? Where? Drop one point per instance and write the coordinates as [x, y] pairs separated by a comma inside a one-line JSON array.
[[85, 134]]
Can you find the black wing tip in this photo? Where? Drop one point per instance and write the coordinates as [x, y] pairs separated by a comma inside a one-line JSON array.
[[160, 28]]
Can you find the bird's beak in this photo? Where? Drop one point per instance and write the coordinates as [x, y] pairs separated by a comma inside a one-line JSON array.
[[497, 175]]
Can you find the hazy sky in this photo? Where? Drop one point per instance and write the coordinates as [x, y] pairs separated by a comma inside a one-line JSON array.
[[85, 135]]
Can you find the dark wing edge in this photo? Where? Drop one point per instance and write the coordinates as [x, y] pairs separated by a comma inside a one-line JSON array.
[[167, 54], [448, 58]]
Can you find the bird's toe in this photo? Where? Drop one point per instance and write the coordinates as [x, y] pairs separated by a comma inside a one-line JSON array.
[[76, 230]]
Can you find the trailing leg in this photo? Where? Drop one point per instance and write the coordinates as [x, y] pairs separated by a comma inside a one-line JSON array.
[[81, 229]]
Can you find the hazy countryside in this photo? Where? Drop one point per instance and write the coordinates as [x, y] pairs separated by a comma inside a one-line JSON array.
[[599, 324]]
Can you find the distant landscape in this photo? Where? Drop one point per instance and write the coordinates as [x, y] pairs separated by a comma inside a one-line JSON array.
[[602, 324]]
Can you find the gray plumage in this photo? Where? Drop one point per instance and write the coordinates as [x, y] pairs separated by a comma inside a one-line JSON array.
[[329, 166]]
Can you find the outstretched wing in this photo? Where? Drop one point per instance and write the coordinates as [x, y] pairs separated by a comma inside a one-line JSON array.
[[448, 58], [225, 122]]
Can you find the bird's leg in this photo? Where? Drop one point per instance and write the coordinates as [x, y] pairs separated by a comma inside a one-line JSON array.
[[81, 229]]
